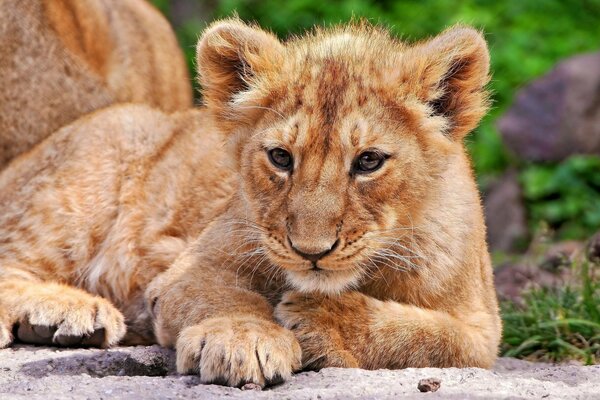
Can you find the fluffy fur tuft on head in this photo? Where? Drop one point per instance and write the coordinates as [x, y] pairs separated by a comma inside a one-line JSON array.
[[239, 64]]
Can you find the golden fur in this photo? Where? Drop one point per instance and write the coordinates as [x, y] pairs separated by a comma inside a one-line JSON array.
[[60, 59], [187, 227]]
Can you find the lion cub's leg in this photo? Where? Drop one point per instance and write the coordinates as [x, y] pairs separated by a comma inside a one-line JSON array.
[[53, 313], [353, 330], [220, 329]]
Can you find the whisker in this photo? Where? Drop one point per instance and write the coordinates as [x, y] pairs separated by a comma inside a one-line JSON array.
[[378, 270], [401, 246], [388, 258], [262, 108], [403, 228]]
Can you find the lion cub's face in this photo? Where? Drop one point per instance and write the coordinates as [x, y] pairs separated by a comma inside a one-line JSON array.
[[340, 138]]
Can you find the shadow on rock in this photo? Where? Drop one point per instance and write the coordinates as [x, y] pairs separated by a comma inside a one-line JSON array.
[[152, 362]]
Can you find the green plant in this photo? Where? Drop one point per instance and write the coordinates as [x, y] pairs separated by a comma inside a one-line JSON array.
[[162, 5], [565, 195], [556, 324]]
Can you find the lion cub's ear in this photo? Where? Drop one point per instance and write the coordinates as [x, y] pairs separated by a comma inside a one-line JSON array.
[[449, 73], [233, 59]]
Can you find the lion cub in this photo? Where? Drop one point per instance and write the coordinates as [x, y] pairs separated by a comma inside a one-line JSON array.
[[60, 59], [319, 211]]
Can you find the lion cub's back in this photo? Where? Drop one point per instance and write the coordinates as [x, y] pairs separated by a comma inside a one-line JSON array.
[[81, 188], [61, 59], [95, 147]]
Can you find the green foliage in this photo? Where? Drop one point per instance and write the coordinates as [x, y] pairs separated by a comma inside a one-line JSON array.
[[565, 195], [556, 324], [162, 5]]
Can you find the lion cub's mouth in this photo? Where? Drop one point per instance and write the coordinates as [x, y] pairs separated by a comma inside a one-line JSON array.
[[322, 280], [328, 275]]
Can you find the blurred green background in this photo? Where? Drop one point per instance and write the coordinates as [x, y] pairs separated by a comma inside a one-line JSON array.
[[526, 38]]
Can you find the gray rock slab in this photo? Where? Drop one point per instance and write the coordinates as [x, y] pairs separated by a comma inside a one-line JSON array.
[[28, 372], [505, 215], [558, 114]]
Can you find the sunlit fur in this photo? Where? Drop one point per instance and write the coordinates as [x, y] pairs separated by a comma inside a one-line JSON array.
[[62, 59], [195, 196]]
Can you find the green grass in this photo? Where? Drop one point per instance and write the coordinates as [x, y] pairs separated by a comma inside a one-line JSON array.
[[556, 324]]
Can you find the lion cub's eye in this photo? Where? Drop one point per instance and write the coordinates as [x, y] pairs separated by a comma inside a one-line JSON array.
[[281, 158], [368, 161]]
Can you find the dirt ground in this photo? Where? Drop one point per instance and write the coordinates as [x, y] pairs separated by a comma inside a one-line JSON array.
[[132, 373]]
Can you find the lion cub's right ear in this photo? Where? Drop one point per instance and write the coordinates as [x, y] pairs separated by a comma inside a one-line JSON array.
[[234, 61]]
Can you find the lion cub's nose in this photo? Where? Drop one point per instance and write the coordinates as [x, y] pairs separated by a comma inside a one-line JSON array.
[[311, 255]]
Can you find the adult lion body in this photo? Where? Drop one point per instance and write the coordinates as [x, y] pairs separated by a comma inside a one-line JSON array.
[[320, 211], [61, 59]]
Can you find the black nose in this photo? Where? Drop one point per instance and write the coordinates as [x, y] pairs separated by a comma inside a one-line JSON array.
[[314, 257]]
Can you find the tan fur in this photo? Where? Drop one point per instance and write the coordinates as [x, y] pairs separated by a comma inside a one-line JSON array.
[[189, 209], [60, 59]]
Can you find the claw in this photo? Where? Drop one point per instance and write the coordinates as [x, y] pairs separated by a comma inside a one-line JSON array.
[[68, 340], [28, 333]]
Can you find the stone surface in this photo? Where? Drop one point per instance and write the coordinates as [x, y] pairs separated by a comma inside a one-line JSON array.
[[558, 114], [505, 213], [147, 373]]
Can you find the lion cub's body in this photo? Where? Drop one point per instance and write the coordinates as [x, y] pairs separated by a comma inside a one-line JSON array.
[[119, 209], [60, 59], [189, 209]]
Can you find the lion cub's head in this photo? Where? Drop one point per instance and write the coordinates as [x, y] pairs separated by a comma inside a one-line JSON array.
[[340, 137]]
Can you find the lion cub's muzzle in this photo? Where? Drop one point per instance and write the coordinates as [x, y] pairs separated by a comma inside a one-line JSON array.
[[313, 253]]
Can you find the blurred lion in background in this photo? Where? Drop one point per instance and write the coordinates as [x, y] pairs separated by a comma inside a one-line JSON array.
[[61, 59]]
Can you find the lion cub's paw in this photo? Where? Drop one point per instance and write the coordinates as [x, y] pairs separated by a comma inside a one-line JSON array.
[[314, 325], [6, 337], [65, 316], [234, 351]]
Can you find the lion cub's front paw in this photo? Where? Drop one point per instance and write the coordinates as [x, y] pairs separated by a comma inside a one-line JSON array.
[[316, 328], [48, 313], [234, 351]]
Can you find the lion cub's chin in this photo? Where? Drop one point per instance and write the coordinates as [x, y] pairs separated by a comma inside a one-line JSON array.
[[323, 281]]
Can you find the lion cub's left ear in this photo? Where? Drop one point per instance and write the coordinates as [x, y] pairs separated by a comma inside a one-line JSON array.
[[449, 73], [233, 59]]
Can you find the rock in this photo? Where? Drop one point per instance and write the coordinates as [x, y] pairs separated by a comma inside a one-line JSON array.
[[505, 213], [511, 280], [180, 11], [558, 114], [593, 248], [429, 385], [92, 374], [560, 256], [506, 364], [552, 270], [125, 361], [252, 386]]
